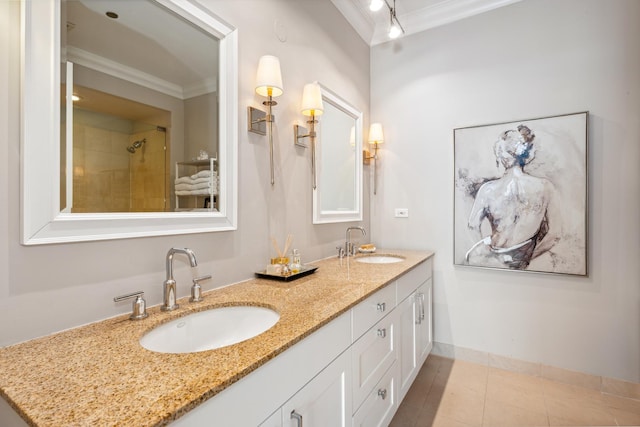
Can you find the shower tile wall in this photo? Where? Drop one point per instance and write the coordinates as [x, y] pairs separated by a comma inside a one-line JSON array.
[[107, 177], [101, 179]]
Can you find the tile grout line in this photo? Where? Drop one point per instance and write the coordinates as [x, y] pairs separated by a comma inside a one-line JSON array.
[[486, 388]]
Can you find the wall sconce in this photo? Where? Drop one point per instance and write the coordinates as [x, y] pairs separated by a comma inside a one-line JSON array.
[[375, 137], [311, 107], [269, 84]]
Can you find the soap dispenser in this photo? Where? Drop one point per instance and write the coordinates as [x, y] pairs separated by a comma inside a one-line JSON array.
[[295, 265]]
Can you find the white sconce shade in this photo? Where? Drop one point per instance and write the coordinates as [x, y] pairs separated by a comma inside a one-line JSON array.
[[269, 78], [376, 5], [375, 134], [312, 100]]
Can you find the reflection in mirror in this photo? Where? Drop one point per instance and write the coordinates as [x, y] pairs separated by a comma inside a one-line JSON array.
[[149, 146], [142, 111], [338, 197]]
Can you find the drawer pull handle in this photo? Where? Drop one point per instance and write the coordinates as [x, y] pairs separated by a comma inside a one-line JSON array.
[[296, 416], [381, 306], [382, 393], [382, 333]]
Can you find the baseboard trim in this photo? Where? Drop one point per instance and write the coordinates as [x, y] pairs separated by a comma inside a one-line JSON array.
[[607, 385]]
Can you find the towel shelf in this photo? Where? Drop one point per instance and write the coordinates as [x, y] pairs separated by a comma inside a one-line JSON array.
[[206, 199]]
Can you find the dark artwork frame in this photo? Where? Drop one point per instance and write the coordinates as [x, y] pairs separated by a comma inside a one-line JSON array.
[[520, 195]]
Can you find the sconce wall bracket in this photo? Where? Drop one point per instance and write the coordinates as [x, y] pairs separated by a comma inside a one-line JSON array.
[[299, 134], [257, 119], [367, 157], [299, 139]]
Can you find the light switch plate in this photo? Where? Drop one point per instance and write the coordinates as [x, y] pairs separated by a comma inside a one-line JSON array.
[[402, 213]]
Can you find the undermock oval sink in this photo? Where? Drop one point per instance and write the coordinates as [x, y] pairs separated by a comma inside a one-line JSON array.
[[380, 259], [210, 329]]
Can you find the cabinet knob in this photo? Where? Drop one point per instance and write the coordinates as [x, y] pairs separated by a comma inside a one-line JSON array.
[[382, 332], [296, 416], [381, 306], [382, 393]]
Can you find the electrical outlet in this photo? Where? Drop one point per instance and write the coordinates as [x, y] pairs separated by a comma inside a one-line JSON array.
[[402, 213]]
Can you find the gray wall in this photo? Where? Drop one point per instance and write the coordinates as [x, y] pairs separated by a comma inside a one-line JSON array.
[[531, 59]]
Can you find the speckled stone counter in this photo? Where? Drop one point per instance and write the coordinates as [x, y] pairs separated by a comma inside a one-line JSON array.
[[100, 375]]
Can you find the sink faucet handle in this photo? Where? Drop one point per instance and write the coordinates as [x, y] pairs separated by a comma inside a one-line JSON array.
[[139, 305], [196, 289]]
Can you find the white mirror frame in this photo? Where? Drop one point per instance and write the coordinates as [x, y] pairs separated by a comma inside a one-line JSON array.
[[42, 221], [326, 217]]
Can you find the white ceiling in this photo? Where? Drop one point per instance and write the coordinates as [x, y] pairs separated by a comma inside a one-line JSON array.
[[147, 44], [414, 15]]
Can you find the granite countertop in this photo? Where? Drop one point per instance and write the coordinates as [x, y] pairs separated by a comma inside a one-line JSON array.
[[99, 374]]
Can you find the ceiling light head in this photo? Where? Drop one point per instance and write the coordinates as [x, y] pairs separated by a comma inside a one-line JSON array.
[[394, 30], [376, 5]]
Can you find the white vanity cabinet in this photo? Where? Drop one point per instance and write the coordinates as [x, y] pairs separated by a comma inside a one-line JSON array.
[[391, 339], [414, 311], [387, 357]]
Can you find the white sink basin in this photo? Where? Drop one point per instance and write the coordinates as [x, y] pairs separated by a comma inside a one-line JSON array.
[[209, 329], [380, 259]]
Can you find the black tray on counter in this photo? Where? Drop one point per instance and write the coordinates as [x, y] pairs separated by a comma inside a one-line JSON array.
[[304, 271]]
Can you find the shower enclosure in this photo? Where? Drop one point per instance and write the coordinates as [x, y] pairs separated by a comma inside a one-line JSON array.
[[119, 165]]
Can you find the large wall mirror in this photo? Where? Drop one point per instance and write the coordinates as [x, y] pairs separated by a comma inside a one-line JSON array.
[[338, 196], [129, 120]]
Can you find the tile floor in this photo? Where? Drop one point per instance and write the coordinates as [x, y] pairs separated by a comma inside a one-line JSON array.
[[450, 393]]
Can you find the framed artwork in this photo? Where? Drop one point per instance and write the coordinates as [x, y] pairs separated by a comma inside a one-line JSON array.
[[520, 195]]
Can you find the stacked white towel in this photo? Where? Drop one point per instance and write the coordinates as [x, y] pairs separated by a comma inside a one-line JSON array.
[[203, 183]]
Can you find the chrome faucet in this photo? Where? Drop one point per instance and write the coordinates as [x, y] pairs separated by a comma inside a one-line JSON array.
[[349, 247], [169, 287]]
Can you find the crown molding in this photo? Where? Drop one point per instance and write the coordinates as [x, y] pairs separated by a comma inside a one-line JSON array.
[[358, 17], [118, 70]]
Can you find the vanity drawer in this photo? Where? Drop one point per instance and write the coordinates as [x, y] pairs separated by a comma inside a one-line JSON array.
[[371, 356], [370, 311], [409, 282], [380, 404]]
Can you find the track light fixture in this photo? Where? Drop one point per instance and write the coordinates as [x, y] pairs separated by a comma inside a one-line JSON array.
[[395, 28]]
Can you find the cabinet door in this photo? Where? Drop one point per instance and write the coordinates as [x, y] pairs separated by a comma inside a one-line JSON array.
[[407, 331], [380, 405], [372, 356], [325, 400], [424, 333]]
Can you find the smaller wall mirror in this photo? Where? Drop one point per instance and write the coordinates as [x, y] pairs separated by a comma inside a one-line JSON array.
[[338, 196]]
